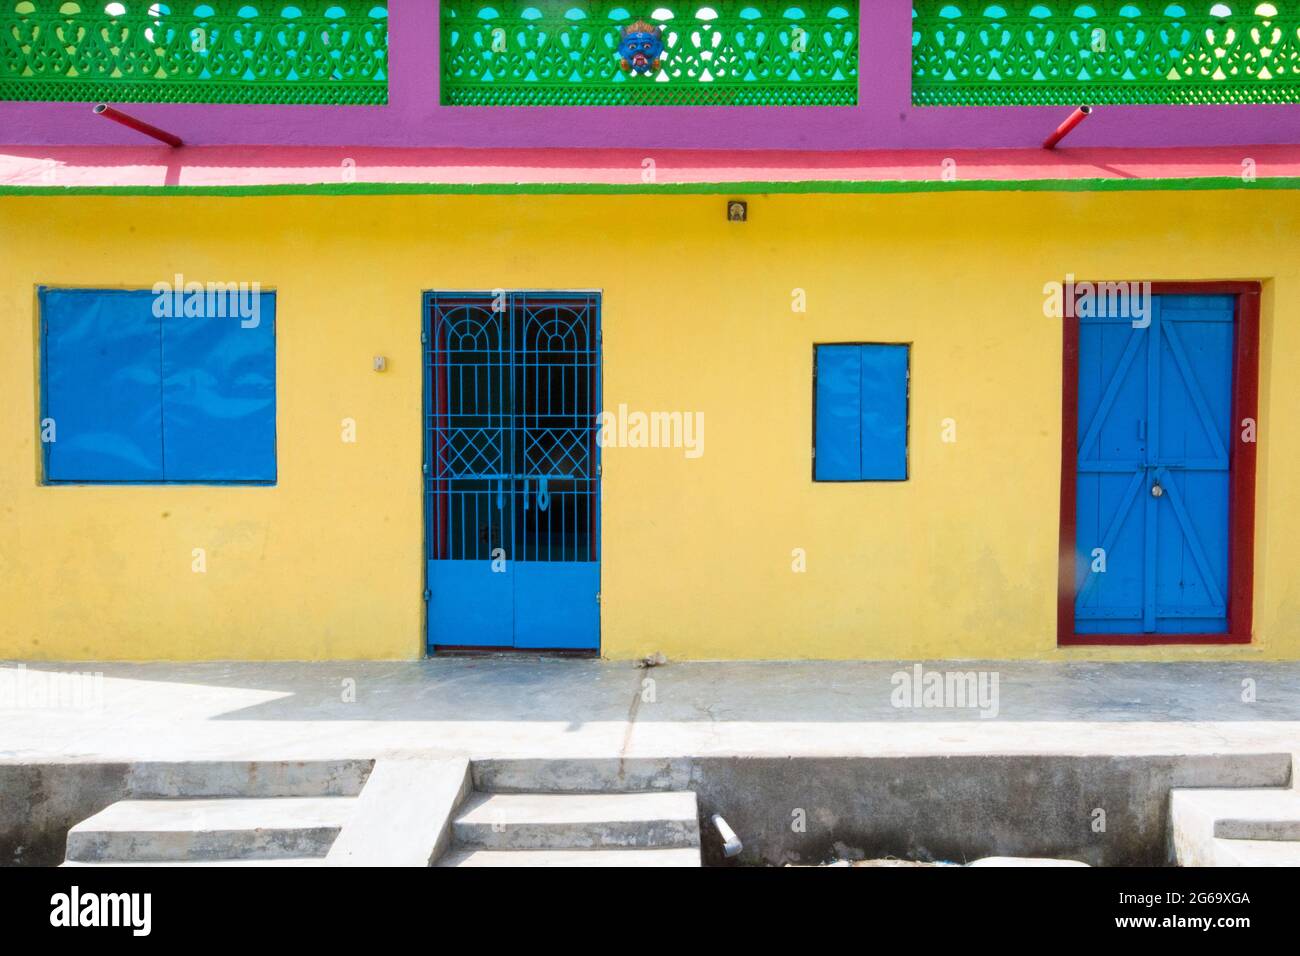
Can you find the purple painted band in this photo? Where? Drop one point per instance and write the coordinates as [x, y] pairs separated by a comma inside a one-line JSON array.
[[884, 118]]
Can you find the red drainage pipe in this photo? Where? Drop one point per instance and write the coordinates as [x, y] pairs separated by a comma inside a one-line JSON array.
[[1073, 120], [106, 111]]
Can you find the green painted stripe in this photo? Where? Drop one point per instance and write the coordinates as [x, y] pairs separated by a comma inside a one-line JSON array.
[[670, 189]]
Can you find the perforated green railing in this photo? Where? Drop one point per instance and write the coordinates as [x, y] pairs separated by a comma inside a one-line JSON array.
[[223, 51], [968, 53], [521, 53]]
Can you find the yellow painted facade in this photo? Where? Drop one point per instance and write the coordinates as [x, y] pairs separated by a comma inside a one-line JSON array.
[[960, 561]]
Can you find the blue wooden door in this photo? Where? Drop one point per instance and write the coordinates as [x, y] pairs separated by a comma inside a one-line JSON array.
[[512, 482], [1152, 506]]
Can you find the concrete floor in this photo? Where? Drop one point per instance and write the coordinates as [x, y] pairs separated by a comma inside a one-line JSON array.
[[530, 707]]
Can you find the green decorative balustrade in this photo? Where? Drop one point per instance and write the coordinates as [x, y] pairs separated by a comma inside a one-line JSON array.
[[504, 53], [1018, 52], [221, 51]]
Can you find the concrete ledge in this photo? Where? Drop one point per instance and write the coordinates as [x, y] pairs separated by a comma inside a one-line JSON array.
[[961, 808], [404, 814], [956, 808]]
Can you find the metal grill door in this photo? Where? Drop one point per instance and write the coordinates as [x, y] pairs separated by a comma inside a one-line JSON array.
[[512, 488]]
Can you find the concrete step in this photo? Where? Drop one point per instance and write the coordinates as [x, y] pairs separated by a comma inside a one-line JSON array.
[[210, 829], [149, 780], [1247, 827], [271, 861], [545, 821], [1262, 815], [581, 774], [681, 856], [1023, 861]]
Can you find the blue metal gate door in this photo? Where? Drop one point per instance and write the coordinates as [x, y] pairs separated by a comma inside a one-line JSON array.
[[468, 403], [512, 483], [557, 577], [1155, 425]]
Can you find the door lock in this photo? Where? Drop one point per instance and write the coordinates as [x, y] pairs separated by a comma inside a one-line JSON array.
[[1156, 490]]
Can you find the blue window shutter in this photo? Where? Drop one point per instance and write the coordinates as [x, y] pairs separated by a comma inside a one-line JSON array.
[[839, 415], [884, 412], [861, 413], [99, 364], [219, 396]]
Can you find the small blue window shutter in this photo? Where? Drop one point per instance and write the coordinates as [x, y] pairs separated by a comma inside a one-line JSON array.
[[861, 413], [838, 413], [884, 412], [100, 385], [219, 392]]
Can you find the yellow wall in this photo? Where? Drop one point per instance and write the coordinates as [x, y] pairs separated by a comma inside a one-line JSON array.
[[959, 561]]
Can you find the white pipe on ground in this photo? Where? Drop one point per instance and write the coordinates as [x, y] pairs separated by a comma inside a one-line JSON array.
[[731, 845]]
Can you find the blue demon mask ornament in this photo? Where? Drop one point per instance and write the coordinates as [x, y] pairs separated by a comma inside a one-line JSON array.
[[641, 48]]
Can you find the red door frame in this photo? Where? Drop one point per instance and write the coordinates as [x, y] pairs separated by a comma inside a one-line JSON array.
[[1241, 471]]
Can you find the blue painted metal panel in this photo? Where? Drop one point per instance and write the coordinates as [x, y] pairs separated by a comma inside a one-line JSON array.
[[860, 431], [1153, 481], [838, 427], [884, 412], [470, 604], [100, 385], [219, 396], [555, 604]]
